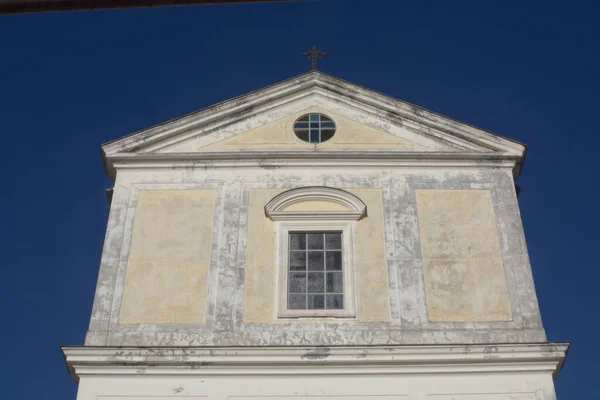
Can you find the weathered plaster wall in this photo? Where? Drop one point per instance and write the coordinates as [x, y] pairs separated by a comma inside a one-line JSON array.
[[403, 302], [382, 386], [261, 266], [371, 264], [462, 263], [408, 321], [279, 134], [315, 205], [386, 385], [260, 269], [169, 254]]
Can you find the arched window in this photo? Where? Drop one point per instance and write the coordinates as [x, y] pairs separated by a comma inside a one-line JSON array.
[[315, 231]]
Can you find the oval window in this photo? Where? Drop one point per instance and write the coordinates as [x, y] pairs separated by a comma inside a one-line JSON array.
[[314, 128]]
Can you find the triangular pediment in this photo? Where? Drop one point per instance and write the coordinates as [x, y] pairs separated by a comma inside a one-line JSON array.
[[262, 122], [279, 134]]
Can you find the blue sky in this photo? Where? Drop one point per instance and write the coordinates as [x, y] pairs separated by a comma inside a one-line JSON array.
[[71, 81]]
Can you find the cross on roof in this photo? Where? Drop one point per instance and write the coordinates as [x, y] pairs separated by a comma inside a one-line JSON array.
[[314, 54]]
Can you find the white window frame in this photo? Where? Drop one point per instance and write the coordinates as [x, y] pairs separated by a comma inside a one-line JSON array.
[[347, 228], [316, 221]]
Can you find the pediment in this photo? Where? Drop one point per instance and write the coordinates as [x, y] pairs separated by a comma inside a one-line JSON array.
[[315, 202], [279, 134], [261, 123]]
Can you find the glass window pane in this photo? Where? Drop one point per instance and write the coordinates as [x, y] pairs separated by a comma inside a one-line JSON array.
[[297, 241], [315, 279], [297, 282], [302, 134], [316, 261], [297, 260], [326, 135], [316, 282], [315, 240], [315, 302], [314, 128], [335, 282], [334, 261], [333, 241], [297, 302], [314, 136], [335, 302]]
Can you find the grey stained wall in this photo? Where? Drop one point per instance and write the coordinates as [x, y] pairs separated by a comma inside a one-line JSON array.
[[224, 324]]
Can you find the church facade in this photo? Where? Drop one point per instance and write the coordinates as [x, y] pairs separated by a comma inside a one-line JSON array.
[[315, 239]]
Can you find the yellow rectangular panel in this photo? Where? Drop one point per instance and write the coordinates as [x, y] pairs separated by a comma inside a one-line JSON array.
[[462, 264], [261, 265], [371, 264], [167, 270]]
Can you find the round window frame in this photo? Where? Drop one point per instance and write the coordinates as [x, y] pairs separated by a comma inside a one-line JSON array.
[[309, 129]]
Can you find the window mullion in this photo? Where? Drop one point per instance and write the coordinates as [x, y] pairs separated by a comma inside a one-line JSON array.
[[306, 271]]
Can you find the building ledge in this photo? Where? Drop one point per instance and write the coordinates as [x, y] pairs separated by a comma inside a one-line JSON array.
[[347, 360]]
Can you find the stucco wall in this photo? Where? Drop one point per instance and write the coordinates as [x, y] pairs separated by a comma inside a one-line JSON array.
[[260, 271], [261, 265], [168, 260], [240, 260], [462, 264], [371, 266], [386, 385], [279, 134]]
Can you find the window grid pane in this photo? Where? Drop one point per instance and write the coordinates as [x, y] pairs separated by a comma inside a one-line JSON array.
[[314, 128], [315, 279]]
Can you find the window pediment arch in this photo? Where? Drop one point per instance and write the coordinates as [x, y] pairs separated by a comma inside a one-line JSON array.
[[315, 202]]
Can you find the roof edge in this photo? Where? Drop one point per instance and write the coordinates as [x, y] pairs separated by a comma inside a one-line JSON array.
[[244, 104]]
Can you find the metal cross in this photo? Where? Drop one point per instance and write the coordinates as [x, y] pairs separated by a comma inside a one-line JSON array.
[[314, 54]]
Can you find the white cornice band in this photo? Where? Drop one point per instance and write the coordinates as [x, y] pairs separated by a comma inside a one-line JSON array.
[[300, 158], [420, 359]]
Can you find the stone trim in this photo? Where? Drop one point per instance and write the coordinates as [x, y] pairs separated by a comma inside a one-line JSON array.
[[275, 209], [348, 360], [314, 159]]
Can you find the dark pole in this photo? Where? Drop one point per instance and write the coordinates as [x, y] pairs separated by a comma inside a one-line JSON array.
[[40, 6]]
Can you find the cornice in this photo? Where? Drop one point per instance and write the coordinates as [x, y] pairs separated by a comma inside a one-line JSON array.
[[418, 359], [312, 158], [213, 116], [427, 123]]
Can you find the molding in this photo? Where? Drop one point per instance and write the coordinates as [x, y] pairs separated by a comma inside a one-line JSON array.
[[348, 360], [275, 209], [312, 158], [315, 215]]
